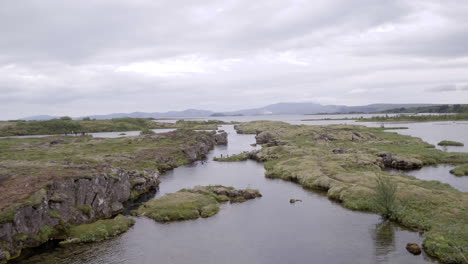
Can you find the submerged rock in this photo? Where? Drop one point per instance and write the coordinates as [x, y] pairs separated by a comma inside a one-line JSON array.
[[201, 201], [413, 248], [294, 200]]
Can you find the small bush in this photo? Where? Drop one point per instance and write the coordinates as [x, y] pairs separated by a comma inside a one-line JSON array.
[[147, 131], [385, 197]]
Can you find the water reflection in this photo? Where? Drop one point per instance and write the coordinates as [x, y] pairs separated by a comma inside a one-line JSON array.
[[384, 240]]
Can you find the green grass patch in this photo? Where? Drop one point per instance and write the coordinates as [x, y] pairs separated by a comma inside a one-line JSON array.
[[232, 158], [460, 170], [99, 230], [186, 204]]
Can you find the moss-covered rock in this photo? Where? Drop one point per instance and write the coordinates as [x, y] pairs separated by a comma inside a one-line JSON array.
[[99, 230], [201, 201]]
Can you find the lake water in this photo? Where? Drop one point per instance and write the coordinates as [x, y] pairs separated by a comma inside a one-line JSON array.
[[265, 230], [103, 134]]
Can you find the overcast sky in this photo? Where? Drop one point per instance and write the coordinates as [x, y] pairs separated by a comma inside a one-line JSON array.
[[102, 56]]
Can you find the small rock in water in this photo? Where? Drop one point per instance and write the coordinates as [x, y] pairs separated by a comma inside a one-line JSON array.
[[294, 200], [413, 248]]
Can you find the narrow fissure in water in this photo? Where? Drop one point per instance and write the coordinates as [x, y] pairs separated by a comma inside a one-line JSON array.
[[263, 230]]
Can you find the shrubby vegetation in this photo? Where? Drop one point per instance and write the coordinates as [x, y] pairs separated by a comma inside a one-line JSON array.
[[147, 131], [385, 198]]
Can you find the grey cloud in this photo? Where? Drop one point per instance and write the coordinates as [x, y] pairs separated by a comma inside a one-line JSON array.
[[443, 88], [63, 57], [81, 31]]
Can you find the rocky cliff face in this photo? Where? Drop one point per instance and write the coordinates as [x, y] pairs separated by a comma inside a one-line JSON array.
[[83, 199], [71, 201]]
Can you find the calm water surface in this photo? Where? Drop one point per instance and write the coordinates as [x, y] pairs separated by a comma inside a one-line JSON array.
[[264, 230]]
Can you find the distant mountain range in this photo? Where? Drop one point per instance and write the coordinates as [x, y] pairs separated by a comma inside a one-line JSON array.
[[273, 109]]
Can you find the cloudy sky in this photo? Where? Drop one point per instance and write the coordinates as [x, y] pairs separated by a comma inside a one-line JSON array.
[[102, 56]]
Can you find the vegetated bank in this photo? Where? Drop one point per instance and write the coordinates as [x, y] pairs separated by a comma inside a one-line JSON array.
[[455, 108], [66, 125], [461, 170], [186, 204], [404, 118], [50, 185], [346, 161]]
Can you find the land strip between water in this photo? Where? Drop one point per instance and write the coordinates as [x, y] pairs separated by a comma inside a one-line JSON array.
[[346, 162]]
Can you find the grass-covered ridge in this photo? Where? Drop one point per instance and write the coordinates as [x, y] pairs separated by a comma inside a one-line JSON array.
[[345, 161], [186, 204], [450, 143], [69, 126], [27, 165]]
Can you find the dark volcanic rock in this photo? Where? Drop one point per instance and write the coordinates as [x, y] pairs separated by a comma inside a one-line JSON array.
[[339, 151], [264, 138], [221, 138], [72, 201], [268, 139], [393, 161], [413, 248]]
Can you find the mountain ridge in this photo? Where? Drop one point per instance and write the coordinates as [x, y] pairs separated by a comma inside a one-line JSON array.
[[283, 108]]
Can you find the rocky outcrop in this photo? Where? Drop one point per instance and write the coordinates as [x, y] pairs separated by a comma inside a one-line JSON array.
[[101, 192], [268, 139], [221, 138], [398, 162], [71, 201], [413, 248], [204, 145]]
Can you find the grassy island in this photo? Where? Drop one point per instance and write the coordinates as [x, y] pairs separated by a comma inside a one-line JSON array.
[[186, 204], [450, 143], [346, 163], [460, 170]]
